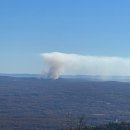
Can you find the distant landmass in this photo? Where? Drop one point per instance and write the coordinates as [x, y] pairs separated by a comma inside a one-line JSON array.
[[85, 77], [20, 75], [29, 103]]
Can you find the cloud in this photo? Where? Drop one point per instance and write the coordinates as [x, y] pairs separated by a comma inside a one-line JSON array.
[[74, 64]]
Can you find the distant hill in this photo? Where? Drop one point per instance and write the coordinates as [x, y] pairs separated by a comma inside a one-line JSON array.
[[99, 78], [20, 75], [85, 77]]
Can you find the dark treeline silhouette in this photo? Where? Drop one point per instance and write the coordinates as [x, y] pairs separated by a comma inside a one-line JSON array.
[[81, 124], [109, 126]]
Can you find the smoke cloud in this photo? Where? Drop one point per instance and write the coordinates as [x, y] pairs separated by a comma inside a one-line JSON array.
[[73, 64]]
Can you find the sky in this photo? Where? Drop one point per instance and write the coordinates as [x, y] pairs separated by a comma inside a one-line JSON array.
[[87, 27]]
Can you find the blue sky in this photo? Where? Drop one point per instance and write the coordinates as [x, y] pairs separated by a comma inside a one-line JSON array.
[[88, 27]]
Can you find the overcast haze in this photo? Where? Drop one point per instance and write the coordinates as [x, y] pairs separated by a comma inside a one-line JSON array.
[[31, 27]]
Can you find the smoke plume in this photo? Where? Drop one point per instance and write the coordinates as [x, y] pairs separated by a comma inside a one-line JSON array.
[[73, 64]]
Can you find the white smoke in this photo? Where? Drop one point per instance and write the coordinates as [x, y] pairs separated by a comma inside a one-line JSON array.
[[73, 64]]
